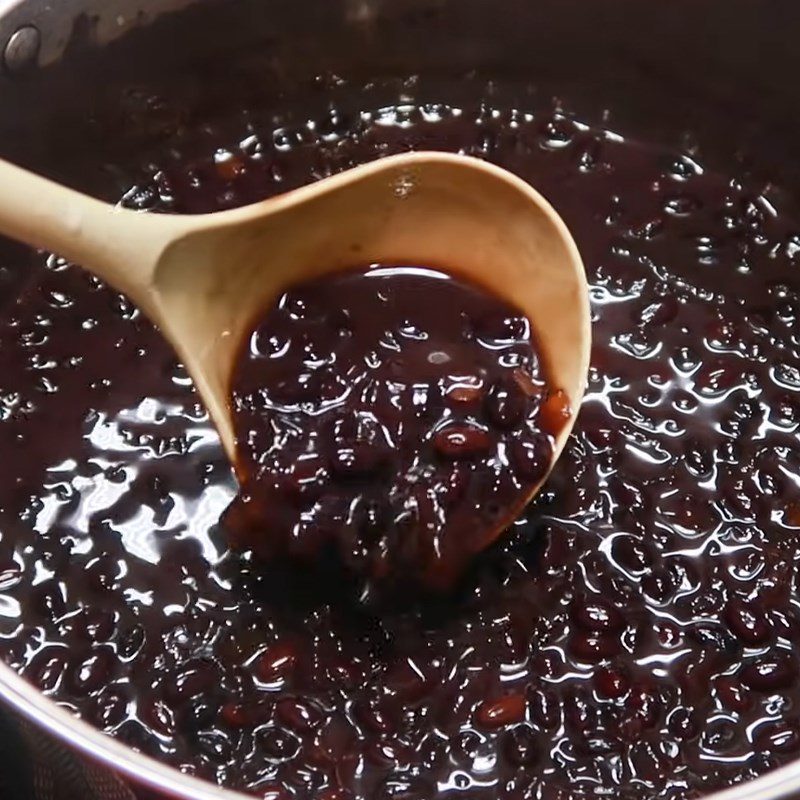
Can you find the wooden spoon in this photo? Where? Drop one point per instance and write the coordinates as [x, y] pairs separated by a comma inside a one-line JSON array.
[[204, 278]]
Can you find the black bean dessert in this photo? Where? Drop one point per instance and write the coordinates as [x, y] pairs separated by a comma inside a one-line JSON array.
[[636, 634], [395, 414]]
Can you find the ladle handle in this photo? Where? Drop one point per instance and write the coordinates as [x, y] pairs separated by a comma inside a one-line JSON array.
[[120, 246]]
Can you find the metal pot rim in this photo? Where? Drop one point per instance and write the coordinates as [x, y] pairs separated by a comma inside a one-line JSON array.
[[783, 782], [101, 747]]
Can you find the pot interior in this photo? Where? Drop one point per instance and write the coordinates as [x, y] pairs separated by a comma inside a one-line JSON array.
[[641, 614]]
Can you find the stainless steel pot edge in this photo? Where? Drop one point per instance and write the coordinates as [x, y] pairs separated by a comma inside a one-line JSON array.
[[101, 747], [48, 25], [780, 784]]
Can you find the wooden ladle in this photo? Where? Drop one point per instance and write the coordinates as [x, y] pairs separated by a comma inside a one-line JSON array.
[[202, 279]]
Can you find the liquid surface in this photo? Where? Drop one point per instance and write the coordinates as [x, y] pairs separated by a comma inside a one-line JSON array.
[[391, 416], [636, 635]]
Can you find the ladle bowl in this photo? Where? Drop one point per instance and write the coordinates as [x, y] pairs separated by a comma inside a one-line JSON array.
[[202, 279]]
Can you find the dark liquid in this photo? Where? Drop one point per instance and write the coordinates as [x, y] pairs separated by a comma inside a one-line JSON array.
[[637, 631], [390, 416]]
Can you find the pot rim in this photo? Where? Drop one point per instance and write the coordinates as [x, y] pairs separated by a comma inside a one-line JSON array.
[[102, 747], [783, 782]]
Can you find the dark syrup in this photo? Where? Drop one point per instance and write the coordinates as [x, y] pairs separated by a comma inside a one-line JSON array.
[[395, 416], [635, 633]]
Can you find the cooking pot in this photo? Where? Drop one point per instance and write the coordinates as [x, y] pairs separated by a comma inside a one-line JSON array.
[[725, 74]]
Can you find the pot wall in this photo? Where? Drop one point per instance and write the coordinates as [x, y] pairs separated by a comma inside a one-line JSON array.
[[725, 72]]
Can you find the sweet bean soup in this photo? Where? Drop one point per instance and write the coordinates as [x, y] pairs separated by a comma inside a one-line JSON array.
[[634, 634]]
